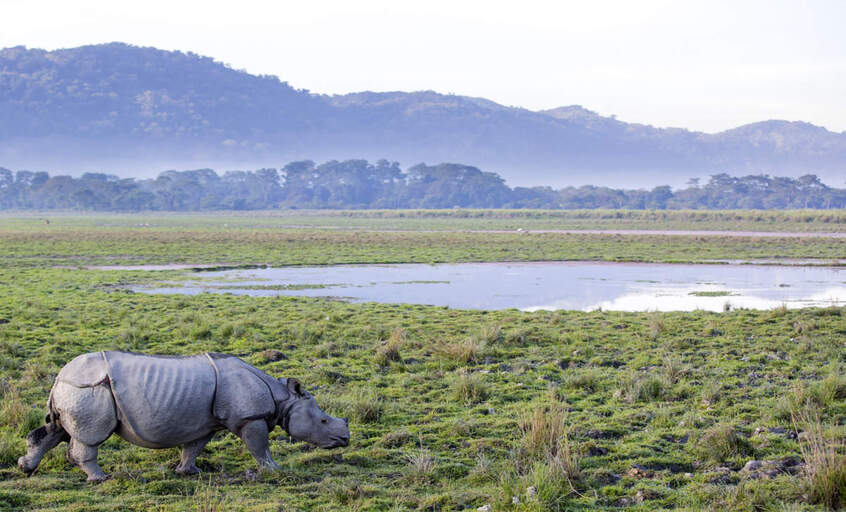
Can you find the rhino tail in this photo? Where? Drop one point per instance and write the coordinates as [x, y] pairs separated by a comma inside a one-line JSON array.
[[52, 420]]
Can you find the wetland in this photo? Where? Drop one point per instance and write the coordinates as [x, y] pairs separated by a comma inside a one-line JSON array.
[[450, 409]]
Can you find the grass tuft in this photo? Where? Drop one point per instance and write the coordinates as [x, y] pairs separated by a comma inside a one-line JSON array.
[[720, 443], [824, 454], [389, 350], [468, 350], [469, 388], [420, 464]]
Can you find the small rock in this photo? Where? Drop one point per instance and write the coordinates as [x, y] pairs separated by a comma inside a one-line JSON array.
[[688, 475], [777, 430], [597, 451], [251, 475], [720, 480], [622, 502], [752, 465], [759, 430], [643, 495], [272, 355], [684, 439], [515, 500], [531, 492], [484, 508], [639, 472], [770, 473]]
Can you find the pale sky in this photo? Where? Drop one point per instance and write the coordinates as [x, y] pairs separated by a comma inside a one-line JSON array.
[[705, 65]]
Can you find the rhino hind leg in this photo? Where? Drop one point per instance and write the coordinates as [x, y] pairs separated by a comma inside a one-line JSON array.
[[190, 451], [89, 417], [85, 456], [38, 443], [254, 434]]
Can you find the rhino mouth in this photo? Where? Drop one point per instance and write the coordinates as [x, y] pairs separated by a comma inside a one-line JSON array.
[[337, 442]]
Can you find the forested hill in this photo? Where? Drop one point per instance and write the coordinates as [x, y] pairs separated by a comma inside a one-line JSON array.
[[355, 184], [124, 107]]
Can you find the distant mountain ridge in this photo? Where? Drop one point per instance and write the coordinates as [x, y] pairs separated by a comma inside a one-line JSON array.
[[126, 109]]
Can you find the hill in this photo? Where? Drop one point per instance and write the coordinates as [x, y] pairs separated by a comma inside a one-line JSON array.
[[127, 109]]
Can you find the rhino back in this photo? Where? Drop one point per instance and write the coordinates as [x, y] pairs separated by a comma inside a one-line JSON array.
[[162, 401], [84, 370]]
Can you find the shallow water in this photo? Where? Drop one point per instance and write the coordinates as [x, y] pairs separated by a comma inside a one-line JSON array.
[[534, 286]]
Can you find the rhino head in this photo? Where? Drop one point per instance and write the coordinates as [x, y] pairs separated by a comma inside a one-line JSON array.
[[306, 421]]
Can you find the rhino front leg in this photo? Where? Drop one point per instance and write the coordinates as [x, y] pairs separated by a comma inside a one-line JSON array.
[[190, 451], [85, 456], [254, 434]]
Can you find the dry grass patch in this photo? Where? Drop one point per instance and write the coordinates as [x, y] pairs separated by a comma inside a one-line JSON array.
[[388, 351], [824, 453], [468, 350]]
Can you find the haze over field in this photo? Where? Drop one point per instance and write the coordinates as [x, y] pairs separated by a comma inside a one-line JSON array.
[[529, 84]]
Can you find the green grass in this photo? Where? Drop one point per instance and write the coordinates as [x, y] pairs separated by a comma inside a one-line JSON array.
[[449, 409], [449, 220], [25, 242]]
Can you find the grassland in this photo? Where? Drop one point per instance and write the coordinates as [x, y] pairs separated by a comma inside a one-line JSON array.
[[225, 239], [449, 409], [451, 220]]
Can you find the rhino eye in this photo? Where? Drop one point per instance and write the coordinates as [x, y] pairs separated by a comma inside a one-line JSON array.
[[323, 420]]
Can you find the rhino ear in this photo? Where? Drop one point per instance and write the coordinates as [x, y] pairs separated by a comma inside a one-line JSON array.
[[295, 387]]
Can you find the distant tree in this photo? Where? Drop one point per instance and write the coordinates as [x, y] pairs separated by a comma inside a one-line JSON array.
[[361, 184]]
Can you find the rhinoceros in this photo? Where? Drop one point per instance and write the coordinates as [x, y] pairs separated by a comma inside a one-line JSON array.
[[166, 401]]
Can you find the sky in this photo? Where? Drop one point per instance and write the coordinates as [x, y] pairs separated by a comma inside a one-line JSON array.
[[704, 65]]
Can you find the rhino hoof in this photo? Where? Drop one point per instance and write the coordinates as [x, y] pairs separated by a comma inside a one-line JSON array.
[[96, 479], [190, 470], [24, 468]]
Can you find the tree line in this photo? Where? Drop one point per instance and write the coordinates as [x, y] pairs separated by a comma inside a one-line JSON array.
[[359, 184]]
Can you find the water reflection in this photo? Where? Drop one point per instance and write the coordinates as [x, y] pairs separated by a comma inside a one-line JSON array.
[[534, 286]]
